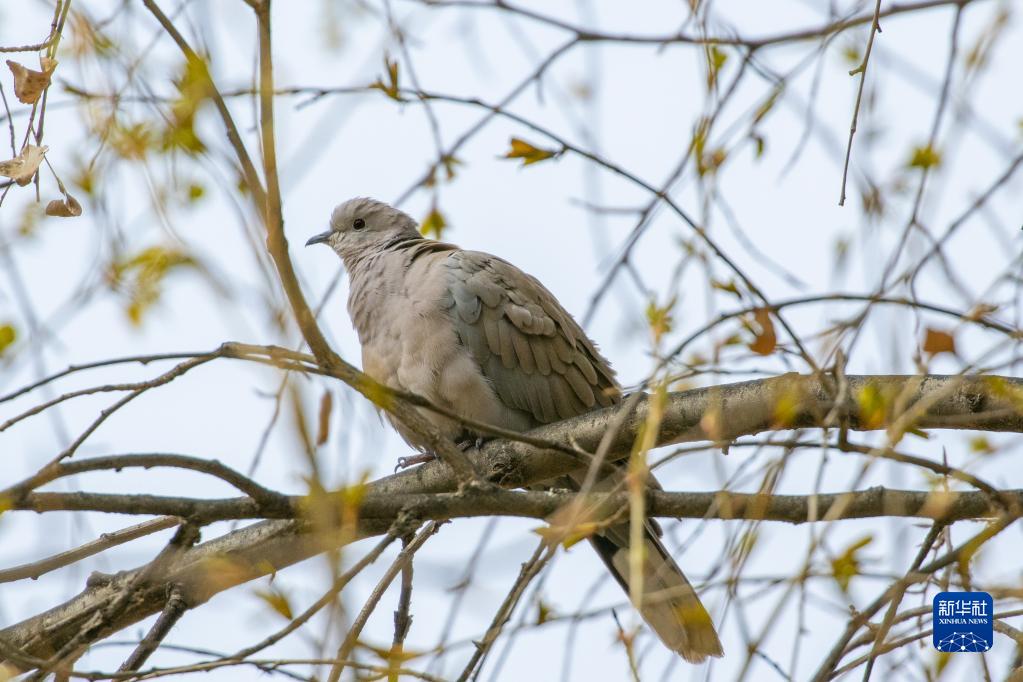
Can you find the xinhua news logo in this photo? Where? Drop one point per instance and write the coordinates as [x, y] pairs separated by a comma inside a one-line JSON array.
[[963, 622]]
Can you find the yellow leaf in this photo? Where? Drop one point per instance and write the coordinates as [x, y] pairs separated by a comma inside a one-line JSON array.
[[277, 600], [28, 84], [981, 445], [765, 340], [23, 166], [659, 318], [873, 407], [434, 223], [712, 161], [8, 334], [941, 661], [716, 58], [194, 192], [937, 341], [543, 612], [728, 287], [141, 276], [520, 149], [768, 104], [392, 655], [568, 535], [925, 157], [221, 572], [132, 141], [847, 565]]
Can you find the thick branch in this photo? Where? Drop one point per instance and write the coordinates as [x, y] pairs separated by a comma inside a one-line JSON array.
[[719, 414], [874, 502]]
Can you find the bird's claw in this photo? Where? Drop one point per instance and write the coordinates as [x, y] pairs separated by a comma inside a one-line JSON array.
[[412, 460], [467, 444]]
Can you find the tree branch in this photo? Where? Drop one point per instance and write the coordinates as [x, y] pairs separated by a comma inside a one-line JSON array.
[[719, 414]]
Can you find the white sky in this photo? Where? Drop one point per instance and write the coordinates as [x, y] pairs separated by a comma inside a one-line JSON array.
[[645, 104]]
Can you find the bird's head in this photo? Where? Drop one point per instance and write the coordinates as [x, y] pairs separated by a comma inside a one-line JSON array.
[[362, 226]]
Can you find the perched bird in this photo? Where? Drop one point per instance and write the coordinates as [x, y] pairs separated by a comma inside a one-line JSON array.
[[473, 333]]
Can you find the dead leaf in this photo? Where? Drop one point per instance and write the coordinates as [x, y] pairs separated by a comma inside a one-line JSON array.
[[28, 84], [64, 208], [765, 341], [23, 166], [980, 311], [323, 431], [937, 341]]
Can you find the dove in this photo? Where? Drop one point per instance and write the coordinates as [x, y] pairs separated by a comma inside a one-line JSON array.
[[472, 333]]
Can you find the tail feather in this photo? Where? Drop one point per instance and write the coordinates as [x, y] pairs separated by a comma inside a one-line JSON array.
[[670, 605]]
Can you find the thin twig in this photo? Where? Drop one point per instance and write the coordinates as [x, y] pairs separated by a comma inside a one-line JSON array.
[[875, 28]]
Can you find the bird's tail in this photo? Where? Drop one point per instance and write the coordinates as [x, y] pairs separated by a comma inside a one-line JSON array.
[[669, 603]]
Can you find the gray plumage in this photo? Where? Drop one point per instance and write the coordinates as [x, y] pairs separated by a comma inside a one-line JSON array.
[[473, 333]]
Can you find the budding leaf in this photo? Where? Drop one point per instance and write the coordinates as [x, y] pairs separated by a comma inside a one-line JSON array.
[[390, 88], [847, 564], [434, 223], [925, 157]]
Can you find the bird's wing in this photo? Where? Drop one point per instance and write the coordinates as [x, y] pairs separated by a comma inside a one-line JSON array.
[[535, 355], [540, 362]]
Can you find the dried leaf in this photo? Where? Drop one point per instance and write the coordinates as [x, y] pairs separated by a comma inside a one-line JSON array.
[[323, 430], [765, 341], [937, 341], [980, 311], [68, 207], [8, 334], [23, 166], [28, 84], [520, 149]]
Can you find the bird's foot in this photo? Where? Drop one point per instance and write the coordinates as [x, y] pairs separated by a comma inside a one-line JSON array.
[[466, 444], [412, 460]]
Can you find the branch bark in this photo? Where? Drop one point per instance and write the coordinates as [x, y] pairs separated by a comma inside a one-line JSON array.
[[719, 414]]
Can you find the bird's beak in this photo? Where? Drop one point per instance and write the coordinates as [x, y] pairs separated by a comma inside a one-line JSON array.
[[320, 238]]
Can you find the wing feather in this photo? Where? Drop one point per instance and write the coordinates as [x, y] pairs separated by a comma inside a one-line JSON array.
[[536, 357]]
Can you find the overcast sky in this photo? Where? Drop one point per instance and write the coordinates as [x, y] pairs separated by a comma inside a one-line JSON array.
[[640, 108]]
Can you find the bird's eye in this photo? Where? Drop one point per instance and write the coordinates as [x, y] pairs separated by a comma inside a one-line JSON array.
[[359, 224]]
